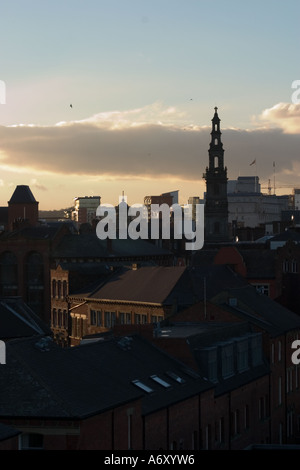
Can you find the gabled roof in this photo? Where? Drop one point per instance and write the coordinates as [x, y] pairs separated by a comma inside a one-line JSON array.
[[261, 310], [22, 194], [41, 379], [17, 320], [152, 284]]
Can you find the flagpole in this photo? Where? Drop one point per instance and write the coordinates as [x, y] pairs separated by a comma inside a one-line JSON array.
[[255, 177]]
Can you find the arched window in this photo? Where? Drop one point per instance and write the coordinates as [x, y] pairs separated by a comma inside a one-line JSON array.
[[54, 288], [59, 318], [54, 318], [65, 291], [59, 289], [65, 319], [8, 274]]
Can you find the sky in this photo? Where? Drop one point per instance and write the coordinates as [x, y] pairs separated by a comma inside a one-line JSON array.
[[143, 78]]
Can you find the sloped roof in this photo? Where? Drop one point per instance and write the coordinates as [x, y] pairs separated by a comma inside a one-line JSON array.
[[89, 245], [22, 194], [261, 310], [40, 232], [287, 235], [89, 379], [152, 284], [7, 432]]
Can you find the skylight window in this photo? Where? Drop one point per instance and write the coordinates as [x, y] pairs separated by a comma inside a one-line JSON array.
[[142, 386], [175, 377], [160, 381]]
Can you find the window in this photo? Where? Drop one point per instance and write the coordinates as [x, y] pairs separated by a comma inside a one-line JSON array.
[[32, 441], [279, 351], [58, 289], [212, 365], [280, 433], [93, 317], [59, 318], [142, 386], [109, 319], [54, 288], [247, 417], [294, 266], [160, 381], [8, 274], [220, 431], [175, 377], [262, 408], [256, 349], [65, 319], [99, 318], [242, 355], [227, 360], [65, 290], [235, 423], [208, 437], [285, 266], [263, 288], [137, 318], [54, 317], [279, 391], [289, 423]]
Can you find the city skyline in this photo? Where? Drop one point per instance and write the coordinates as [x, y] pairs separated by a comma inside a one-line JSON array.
[[103, 98]]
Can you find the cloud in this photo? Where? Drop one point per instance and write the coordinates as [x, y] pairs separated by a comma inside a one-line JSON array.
[[283, 115], [150, 143], [34, 183]]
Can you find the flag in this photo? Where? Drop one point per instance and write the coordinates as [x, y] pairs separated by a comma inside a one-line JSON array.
[[254, 161]]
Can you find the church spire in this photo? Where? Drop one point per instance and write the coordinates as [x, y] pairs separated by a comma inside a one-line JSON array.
[[216, 204]]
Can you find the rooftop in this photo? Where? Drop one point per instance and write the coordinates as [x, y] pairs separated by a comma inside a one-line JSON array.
[[22, 194]]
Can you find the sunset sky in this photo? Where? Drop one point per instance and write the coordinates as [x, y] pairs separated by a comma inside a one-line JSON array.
[[143, 78]]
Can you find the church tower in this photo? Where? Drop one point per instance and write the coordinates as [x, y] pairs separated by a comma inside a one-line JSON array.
[[216, 204]]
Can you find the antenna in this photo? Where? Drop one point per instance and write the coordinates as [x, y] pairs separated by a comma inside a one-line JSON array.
[[274, 176], [269, 188]]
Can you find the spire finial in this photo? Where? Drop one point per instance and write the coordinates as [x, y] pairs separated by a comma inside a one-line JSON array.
[[216, 109]]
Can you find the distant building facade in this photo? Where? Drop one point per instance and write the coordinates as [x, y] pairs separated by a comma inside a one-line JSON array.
[[248, 207], [85, 209]]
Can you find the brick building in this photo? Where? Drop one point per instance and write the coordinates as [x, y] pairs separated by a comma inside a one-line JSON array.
[[142, 295]]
